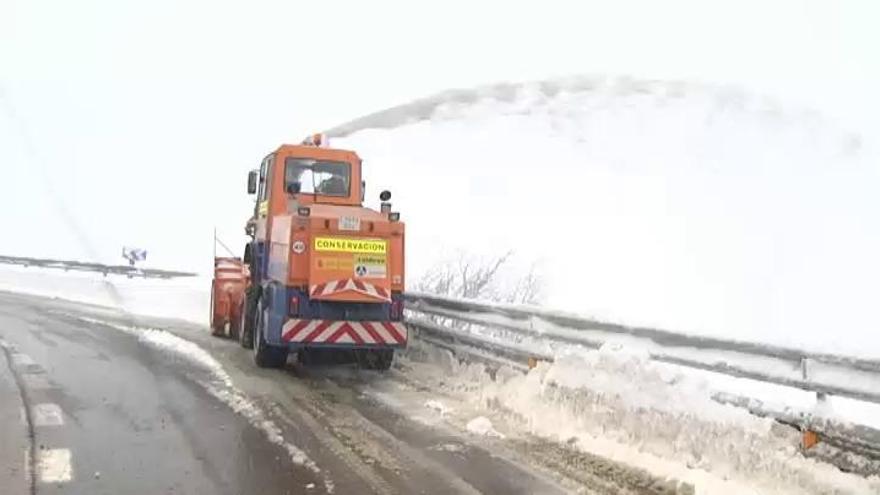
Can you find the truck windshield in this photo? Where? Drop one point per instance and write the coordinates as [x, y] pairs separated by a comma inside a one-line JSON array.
[[318, 176]]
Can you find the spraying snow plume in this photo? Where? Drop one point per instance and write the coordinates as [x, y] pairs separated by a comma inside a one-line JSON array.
[[692, 207]]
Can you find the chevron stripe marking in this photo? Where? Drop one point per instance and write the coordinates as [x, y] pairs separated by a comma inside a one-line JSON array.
[[393, 331]]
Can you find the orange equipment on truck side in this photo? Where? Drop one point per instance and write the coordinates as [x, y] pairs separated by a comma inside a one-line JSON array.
[[323, 271]]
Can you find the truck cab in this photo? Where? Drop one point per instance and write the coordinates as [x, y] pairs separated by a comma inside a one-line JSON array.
[[326, 273]]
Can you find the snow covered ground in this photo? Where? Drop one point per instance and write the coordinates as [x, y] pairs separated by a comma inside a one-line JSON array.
[[619, 406], [537, 337]]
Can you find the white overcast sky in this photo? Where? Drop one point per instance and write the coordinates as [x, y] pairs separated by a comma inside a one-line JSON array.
[[123, 120]]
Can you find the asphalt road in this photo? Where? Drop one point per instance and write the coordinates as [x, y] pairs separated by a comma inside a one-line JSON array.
[[103, 415], [88, 409]]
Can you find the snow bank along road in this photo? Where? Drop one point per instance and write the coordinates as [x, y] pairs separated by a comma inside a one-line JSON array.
[[93, 401]]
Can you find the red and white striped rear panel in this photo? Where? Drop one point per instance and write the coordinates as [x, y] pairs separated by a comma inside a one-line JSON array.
[[344, 332], [359, 286]]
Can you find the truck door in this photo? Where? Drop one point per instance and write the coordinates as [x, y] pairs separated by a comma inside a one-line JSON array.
[[261, 214]]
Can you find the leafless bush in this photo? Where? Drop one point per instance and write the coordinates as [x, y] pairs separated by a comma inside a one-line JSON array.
[[483, 278], [526, 290]]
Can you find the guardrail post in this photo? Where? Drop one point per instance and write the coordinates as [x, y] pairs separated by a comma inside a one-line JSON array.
[[810, 438]]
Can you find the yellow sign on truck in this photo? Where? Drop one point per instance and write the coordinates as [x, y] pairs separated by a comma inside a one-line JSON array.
[[344, 245]]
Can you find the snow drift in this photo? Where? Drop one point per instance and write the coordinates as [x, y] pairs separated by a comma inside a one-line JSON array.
[[683, 206], [617, 404]]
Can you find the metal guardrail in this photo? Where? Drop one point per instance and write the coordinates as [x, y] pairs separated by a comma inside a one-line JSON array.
[[66, 265], [830, 374], [443, 321]]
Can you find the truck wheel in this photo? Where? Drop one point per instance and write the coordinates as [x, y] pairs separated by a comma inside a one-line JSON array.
[[375, 359], [217, 328], [384, 358], [307, 357], [265, 355], [246, 327], [235, 325]]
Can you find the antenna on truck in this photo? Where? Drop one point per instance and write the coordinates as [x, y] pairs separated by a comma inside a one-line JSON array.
[[224, 246]]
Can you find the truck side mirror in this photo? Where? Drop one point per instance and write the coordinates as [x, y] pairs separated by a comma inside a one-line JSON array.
[[252, 182], [385, 206]]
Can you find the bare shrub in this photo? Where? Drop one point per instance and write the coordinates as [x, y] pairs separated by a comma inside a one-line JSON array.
[[485, 278]]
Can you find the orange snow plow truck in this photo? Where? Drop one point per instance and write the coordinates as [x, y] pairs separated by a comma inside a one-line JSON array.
[[322, 274]]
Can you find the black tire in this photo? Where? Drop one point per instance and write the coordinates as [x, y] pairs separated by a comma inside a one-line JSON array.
[[308, 357], [216, 330], [246, 327], [384, 359], [265, 355], [378, 359], [235, 325]]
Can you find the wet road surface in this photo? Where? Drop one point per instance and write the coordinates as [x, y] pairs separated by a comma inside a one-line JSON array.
[[108, 417], [105, 413]]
